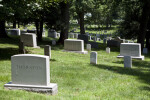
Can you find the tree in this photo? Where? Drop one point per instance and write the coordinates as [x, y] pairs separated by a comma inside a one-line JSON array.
[[136, 19], [64, 21], [144, 22], [82, 7], [11, 10], [3, 17]]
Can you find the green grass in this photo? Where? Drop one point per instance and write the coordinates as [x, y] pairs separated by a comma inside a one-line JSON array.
[[77, 79]]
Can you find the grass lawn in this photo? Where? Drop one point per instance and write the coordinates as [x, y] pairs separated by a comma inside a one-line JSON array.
[[79, 80]]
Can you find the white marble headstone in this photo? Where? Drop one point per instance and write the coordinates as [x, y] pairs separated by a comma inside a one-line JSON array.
[[52, 33], [88, 47], [75, 35], [93, 57], [29, 39], [128, 61], [31, 72], [72, 35], [29, 69], [108, 50], [13, 32], [131, 49], [72, 45]]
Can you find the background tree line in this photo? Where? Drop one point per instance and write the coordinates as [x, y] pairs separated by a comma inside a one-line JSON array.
[[56, 14]]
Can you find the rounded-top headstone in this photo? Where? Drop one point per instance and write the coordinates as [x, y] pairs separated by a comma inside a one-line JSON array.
[[108, 50], [88, 47], [93, 57], [127, 61]]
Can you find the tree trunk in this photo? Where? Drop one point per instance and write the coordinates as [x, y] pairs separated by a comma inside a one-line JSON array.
[[2, 30], [37, 28], [41, 31], [65, 22], [143, 23], [14, 24], [81, 17], [148, 40]]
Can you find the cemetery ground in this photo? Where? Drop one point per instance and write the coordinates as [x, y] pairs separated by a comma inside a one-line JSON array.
[[77, 78]]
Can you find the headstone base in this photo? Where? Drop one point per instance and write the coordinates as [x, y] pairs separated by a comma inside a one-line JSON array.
[[51, 89], [81, 52], [37, 47], [133, 57]]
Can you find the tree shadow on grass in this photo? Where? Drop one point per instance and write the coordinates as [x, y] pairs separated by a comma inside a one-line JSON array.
[[147, 55], [136, 63], [6, 53], [14, 41], [143, 76]]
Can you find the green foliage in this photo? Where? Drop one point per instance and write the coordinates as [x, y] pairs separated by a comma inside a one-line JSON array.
[[131, 18]]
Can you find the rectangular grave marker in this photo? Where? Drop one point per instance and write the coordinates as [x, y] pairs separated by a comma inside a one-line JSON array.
[[72, 45], [47, 50], [31, 72], [131, 49]]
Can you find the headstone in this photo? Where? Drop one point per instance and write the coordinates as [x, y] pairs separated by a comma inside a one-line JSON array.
[[145, 51], [93, 58], [32, 73], [47, 51], [98, 39], [21, 48], [58, 35], [52, 33], [77, 46], [131, 49], [29, 39], [127, 61], [75, 35], [88, 47], [108, 50], [71, 35], [15, 32], [83, 37], [89, 37], [53, 42]]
